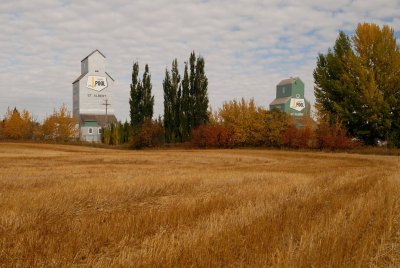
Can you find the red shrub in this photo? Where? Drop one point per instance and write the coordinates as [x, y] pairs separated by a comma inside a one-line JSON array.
[[325, 137], [333, 137], [150, 134], [207, 136], [298, 137]]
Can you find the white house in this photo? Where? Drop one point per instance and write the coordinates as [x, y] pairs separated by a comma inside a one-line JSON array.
[[92, 97]]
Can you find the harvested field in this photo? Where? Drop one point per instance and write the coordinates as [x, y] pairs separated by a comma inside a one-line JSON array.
[[71, 206]]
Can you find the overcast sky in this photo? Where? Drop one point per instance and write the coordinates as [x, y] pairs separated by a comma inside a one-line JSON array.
[[248, 46]]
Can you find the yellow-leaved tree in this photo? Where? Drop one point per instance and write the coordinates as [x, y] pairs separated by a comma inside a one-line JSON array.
[[252, 125], [357, 84], [60, 126], [17, 126]]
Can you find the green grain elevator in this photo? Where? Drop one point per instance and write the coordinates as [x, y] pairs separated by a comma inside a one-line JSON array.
[[290, 98]]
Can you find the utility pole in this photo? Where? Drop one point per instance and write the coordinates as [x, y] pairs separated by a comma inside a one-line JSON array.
[[106, 104]]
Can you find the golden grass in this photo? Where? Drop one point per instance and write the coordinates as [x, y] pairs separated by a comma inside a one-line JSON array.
[[71, 206]]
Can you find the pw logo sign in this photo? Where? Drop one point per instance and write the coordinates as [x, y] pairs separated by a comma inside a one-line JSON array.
[[97, 83], [297, 104]]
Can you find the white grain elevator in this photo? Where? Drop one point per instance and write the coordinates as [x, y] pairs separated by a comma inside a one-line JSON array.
[[92, 97]]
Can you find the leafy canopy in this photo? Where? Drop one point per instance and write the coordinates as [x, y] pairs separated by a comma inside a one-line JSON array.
[[358, 83]]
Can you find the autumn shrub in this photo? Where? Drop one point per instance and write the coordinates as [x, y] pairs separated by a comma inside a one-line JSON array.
[[149, 134], [324, 137], [252, 125], [246, 121], [298, 137], [2, 129], [211, 136], [276, 122], [333, 137]]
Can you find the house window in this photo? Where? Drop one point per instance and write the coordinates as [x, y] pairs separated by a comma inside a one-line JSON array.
[[96, 71], [100, 130], [90, 130], [283, 90]]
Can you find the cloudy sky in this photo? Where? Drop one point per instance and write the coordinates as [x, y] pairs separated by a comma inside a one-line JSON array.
[[248, 45]]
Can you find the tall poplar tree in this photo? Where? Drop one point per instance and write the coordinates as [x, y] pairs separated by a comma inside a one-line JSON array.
[[172, 104], [185, 105], [192, 90], [186, 101], [176, 101], [141, 100], [200, 112], [134, 101], [168, 108], [148, 99], [198, 93]]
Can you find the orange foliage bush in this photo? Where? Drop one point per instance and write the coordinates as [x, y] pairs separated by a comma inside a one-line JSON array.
[[212, 136], [246, 120], [150, 134], [298, 137], [252, 125], [330, 137], [333, 137]]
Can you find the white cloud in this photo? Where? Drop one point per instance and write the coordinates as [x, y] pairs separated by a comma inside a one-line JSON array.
[[249, 46]]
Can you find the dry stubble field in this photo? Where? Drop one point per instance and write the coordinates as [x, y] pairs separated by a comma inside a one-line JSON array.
[[72, 206]]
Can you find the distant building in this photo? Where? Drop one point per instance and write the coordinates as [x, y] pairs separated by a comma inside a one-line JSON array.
[[92, 97], [290, 98]]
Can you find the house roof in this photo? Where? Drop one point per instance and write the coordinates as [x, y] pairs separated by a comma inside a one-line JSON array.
[[92, 54], [101, 119], [288, 81], [280, 101]]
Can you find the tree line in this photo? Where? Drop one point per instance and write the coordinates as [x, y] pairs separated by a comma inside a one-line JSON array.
[[357, 101], [60, 126], [240, 123]]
